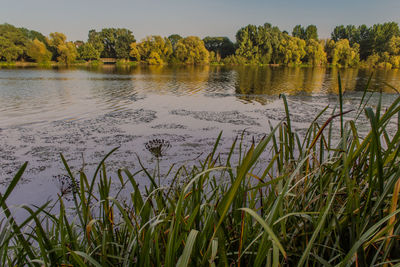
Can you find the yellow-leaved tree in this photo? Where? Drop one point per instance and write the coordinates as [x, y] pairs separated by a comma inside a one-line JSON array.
[[38, 52], [191, 50]]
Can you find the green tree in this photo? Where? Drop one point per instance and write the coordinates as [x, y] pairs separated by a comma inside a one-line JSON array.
[[349, 32], [221, 46], [32, 35], [394, 46], [315, 54], [191, 50], [67, 53], [259, 44], [174, 38], [8, 50], [381, 35], [134, 53], [54, 40], [95, 40], [154, 50], [311, 32], [114, 41], [298, 31], [345, 55], [88, 52], [292, 50], [38, 52], [13, 43]]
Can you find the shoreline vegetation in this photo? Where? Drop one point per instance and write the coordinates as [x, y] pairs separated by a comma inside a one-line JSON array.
[[377, 46], [314, 201]]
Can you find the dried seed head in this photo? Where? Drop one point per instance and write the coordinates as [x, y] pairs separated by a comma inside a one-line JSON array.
[[157, 147]]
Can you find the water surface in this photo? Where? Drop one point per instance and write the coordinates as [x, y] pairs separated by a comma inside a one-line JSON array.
[[84, 113]]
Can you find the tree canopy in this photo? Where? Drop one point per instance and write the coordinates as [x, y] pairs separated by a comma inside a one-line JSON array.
[[375, 46]]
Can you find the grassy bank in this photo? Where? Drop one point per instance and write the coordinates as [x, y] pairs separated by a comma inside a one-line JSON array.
[[315, 202]]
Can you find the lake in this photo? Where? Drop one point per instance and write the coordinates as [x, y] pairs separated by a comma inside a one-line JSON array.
[[84, 113]]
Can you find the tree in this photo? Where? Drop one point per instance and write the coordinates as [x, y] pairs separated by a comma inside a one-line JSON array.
[[124, 38], [311, 32], [292, 50], [32, 35], [315, 54], [381, 35], [95, 40], [345, 55], [174, 38], [112, 42], [134, 53], [67, 53], [259, 44], [38, 52], [221, 46], [298, 31], [8, 50], [13, 43], [54, 41], [154, 50], [191, 50], [88, 52], [372, 40]]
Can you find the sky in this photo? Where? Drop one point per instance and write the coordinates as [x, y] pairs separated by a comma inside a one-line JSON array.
[[191, 17]]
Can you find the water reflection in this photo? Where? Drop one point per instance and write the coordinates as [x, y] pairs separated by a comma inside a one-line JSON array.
[[71, 92]]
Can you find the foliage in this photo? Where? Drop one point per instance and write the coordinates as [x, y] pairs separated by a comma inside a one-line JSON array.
[[292, 50], [221, 46], [12, 43], [191, 50], [87, 51], [95, 40], [372, 40], [311, 32], [259, 44], [174, 38], [38, 52], [54, 40], [32, 35], [153, 50], [342, 54], [315, 53], [67, 53], [134, 53], [112, 42]]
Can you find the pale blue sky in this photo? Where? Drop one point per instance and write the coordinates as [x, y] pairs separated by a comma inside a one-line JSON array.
[[191, 17]]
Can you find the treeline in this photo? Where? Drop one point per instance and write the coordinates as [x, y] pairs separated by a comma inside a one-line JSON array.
[[375, 46]]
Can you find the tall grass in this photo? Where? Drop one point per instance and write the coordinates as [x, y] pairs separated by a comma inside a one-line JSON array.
[[316, 202]]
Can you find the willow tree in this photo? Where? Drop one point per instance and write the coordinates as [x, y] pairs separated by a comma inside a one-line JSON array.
[[315, 53], [292, 50], [342, 54], [38, 52], [66, 51]]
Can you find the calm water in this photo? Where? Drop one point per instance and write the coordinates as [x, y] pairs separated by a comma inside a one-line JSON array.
[[84, 113]]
